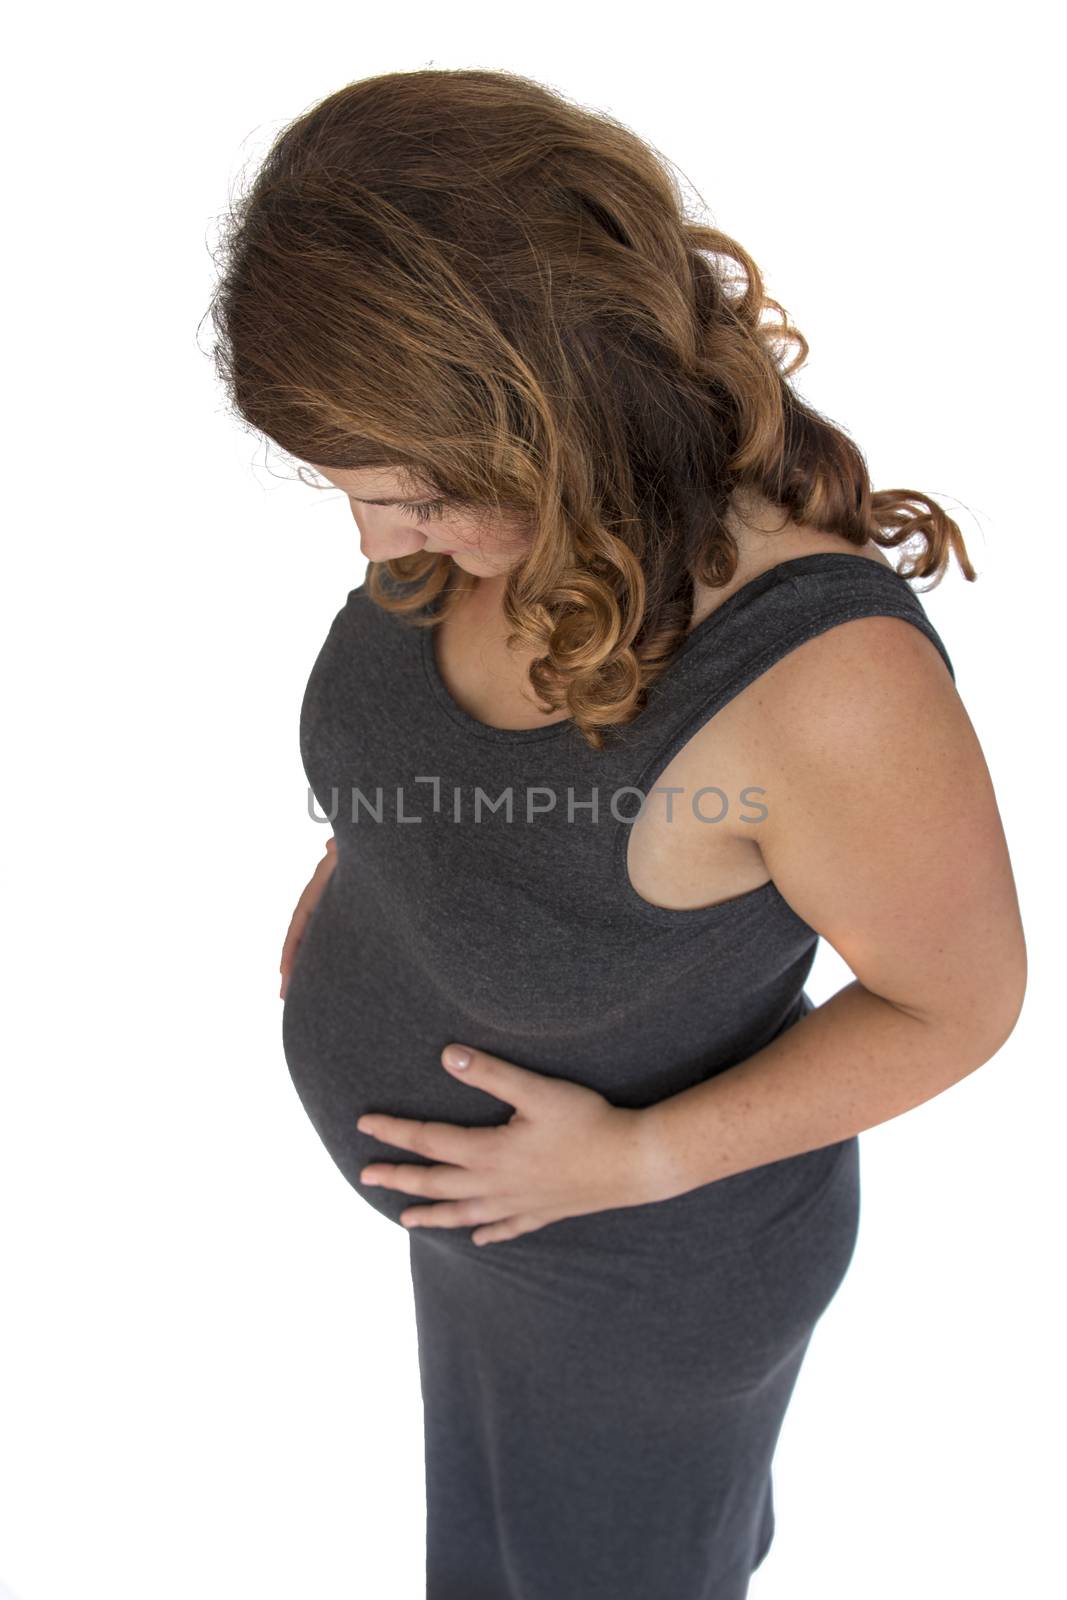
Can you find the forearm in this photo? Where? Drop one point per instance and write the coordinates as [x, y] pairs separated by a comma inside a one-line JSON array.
[[852, 1063]]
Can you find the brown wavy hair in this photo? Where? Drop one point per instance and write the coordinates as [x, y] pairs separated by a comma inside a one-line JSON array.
[[465, 277]]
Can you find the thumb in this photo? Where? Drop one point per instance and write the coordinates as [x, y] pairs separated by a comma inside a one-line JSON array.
[[516, 1086]]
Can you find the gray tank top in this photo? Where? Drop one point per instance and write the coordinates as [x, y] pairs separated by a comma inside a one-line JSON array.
[[481, 893]]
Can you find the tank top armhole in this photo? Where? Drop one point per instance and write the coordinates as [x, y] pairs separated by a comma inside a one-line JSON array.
[[774, 618]]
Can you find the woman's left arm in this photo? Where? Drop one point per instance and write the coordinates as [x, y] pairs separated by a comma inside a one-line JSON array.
[[883, 833]]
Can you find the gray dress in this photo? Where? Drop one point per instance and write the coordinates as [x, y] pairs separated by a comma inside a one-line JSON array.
[[603, 1396]]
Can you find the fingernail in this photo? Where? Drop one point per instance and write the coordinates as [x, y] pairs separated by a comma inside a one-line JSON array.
[[457, 1056]]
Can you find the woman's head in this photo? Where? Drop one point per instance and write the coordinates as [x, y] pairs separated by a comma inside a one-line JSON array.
[[460, 287]]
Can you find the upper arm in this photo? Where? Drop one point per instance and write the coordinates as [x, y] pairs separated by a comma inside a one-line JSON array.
[[882, 828]]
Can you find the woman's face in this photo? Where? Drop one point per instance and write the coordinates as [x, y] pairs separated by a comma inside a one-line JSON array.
[[394, 523]]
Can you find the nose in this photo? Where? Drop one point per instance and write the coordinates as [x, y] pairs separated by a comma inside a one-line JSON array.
[[384, 546]]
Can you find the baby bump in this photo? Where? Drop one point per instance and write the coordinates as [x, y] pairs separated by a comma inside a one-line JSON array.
[[362, 1032]]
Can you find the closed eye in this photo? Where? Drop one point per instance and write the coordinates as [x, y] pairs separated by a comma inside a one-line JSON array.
[[426, 509], [421, 510]]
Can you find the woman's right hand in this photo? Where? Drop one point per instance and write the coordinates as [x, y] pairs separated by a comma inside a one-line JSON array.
[[304, 907]]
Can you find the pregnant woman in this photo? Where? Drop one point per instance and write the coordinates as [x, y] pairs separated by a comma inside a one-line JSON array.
[[629, 710]]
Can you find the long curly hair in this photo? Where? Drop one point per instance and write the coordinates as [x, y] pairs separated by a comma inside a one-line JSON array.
[[465, 277]]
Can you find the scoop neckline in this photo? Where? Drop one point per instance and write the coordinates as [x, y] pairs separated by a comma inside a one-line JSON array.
[[794, 566]]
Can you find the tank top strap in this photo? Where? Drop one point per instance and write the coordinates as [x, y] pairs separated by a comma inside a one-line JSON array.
[[758, 625]]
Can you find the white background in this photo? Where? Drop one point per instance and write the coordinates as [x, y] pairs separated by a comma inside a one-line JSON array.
[[209, 1381]]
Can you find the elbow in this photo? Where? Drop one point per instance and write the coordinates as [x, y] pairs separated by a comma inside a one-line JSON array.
[[1013, 1009], [997, 1013], [974, 1020]]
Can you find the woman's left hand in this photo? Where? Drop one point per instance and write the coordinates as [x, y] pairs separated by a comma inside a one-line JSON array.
[[566, 1151]]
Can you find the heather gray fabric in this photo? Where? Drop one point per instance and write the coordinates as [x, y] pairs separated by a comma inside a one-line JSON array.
[[603, 1396]]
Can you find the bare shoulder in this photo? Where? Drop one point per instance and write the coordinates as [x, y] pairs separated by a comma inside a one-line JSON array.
[[857, 677], [849, 667]]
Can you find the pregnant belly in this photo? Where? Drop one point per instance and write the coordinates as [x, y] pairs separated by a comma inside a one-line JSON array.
[[362, 1031]]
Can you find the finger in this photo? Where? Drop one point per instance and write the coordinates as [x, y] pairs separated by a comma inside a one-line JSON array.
[[440, 1182], [454, 1214], [285, 966], [509, 1228], [441, 1141], [293, 936], [505, 1080], [323, 869], [309, 895], [312, 890]]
